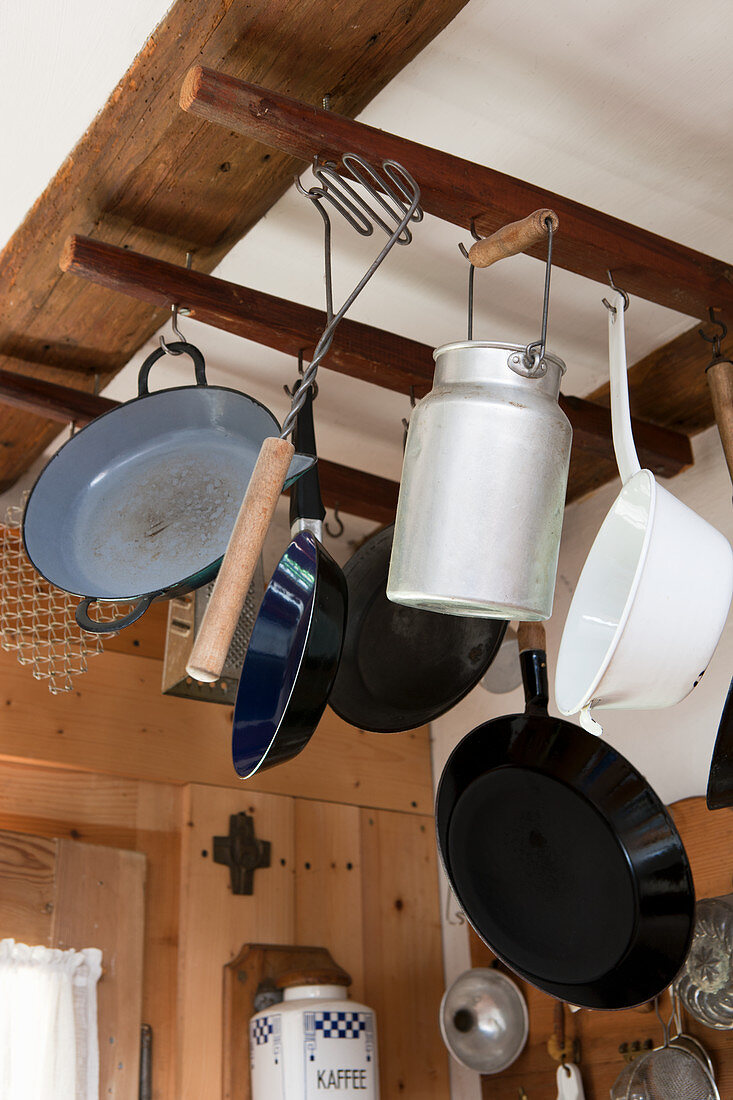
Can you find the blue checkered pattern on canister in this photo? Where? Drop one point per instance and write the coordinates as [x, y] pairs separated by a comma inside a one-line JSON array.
[[340, 1025], [261, 1030]]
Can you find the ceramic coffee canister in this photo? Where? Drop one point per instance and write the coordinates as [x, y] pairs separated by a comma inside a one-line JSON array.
[[314, 1043]]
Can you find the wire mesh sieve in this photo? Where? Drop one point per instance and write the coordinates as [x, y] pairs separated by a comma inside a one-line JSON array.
[[670, 1073]]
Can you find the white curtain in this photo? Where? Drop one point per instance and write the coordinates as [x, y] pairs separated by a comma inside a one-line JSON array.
[[49, 1048]]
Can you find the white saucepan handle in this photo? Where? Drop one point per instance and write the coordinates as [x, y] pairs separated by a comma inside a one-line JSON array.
[[588, 722], [623, 440]]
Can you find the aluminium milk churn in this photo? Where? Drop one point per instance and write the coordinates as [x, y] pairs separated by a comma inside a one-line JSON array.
[[483, 486]]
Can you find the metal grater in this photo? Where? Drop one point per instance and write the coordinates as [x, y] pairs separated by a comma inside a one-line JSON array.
[[185, 614]]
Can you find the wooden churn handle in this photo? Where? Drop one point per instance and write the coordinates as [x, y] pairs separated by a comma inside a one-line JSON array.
[[240, 561], [512, 239], [720, 381]]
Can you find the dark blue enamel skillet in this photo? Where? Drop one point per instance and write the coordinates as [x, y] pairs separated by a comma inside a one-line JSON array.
[[294, 650]]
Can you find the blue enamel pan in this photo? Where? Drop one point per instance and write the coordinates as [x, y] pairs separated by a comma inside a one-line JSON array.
[[139, 504], [295, 646]]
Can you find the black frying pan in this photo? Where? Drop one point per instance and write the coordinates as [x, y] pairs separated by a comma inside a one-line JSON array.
[[562, 856], [720, 780], [402, 667], [296, 641]]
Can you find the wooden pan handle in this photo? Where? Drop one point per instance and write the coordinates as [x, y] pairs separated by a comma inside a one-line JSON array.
[[720, 381], [531, 636], [513, 238], [240, 561]]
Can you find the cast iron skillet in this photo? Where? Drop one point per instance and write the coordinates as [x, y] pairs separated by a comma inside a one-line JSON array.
[[140, 503], [296, 641], [562, 856], [402, 667]]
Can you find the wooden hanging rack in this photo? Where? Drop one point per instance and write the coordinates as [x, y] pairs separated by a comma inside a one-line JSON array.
[[358, 350], [460, 192]]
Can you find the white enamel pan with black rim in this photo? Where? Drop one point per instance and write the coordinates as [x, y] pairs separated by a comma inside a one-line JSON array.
[[562, 856], [139, 504]]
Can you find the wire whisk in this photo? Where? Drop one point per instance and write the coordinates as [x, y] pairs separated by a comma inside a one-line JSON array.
[[394, 202]]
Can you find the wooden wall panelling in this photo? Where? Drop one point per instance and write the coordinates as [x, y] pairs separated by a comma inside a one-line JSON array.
[[61, 893], [214, 923], [120, 813], [361, 883], [116, 722], [403, 969], [149, 176], [329, 881], [27, 885], [100, 903], [708, 839]]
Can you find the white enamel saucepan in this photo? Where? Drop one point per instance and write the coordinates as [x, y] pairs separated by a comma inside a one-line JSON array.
[[654, 593]]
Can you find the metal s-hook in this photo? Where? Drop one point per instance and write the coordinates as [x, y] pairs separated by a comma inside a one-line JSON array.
[[618, 289], [175, 310], [717, 339], [335, 534]]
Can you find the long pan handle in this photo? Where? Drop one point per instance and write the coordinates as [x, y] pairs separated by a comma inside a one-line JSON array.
[[720, 381], [240, 561], [512, 239]]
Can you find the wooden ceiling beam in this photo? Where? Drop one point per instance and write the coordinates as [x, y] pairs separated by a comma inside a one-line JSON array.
[[148, 176], [358, 350], [589, 242]]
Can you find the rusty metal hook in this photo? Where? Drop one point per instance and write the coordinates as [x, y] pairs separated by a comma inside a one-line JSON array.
[[335, 534], [717, 339], [175, 310], [623, 293]]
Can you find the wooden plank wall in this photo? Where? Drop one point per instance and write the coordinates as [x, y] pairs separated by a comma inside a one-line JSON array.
[[361, 882], [61, 893], [116, 763]]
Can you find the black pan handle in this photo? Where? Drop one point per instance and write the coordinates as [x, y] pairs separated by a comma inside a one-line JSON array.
[[93, 626], [533, 659], [180, 346], [305, 495]]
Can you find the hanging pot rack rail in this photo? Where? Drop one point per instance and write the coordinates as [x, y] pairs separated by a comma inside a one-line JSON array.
[[358, 350], [352, 491], [458, 191]]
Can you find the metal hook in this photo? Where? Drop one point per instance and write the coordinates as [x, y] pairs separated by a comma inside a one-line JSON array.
[[618, 289], [563, 1060], [301, 371], [717, 339], [337, 518], [175, 310], [471, 273]]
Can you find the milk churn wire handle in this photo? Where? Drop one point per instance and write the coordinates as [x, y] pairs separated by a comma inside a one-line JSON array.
[[471, 272], [534, 353]]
